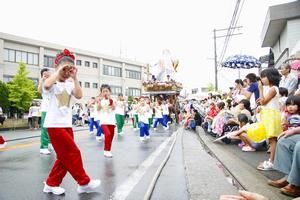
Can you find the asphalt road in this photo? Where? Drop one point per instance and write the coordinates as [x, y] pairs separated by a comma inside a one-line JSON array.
[[23, 169]]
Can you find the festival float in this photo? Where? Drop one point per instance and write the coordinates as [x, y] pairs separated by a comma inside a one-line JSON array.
[[162, 83], [163, 76]]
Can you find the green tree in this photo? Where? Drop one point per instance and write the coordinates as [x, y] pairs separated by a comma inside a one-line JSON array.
[[21, 90], [4, 92], [211, 87], [130, 99]]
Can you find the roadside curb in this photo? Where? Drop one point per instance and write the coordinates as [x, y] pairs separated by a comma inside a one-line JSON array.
[[245, 174]]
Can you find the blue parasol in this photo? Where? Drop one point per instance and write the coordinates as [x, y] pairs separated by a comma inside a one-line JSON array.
[[241, 61]]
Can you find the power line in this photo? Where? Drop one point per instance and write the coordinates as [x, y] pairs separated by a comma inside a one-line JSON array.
[[230, 31]]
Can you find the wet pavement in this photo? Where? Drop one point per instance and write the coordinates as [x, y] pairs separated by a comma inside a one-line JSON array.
[[23, 169], [190, 173]]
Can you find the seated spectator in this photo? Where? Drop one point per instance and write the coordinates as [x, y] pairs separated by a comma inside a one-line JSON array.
[[242, 135], [243, 108], [219, 120], [288, 80], [251, 93], [283, 97], [238, 94], [287, 161], [210, 116], [195, 120]]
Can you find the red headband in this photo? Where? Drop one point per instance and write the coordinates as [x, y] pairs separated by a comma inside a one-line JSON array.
[[67, 53]]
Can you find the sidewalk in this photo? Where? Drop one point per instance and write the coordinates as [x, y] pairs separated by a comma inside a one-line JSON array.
[[243, 165]]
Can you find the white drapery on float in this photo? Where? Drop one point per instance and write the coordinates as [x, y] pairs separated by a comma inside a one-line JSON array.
[[164, 75]]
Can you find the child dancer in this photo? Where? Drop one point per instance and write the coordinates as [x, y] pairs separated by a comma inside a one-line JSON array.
[[159, 117], [59, 123], [106, 108], [120, 109], [270, 114], [143, 112], [165, 108], [135, 114], [45, 141], [150, 112], [94, 119]]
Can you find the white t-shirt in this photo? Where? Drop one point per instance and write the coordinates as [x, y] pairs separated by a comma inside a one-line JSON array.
[[274, 102], [106, 114], [93, 111], [158, 112], [45, 101], [144, 114], [120, 107], [165, 109], [35, 111], [59, 114]]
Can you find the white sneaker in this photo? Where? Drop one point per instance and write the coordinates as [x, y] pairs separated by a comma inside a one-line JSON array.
[[45, 151], [265, 166], [89, 187], [135, 129], [99, 138], [155, 129], [2, 146], [54, 190], [50, 147], [121, 133], [91, 133], [142, 139], [166, 128], [147, 137], [108, 154]]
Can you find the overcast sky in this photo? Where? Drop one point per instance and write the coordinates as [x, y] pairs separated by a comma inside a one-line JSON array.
[[140, 30]]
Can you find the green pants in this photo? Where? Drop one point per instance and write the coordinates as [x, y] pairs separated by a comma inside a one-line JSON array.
[[44, 133], [150, 120], [136, 121], [120, 122]]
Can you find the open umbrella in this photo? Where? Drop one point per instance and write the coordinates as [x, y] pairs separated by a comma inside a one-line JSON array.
[[241, 61]]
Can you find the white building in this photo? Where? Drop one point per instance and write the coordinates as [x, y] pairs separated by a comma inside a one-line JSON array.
[[281, 30], [124, 76]]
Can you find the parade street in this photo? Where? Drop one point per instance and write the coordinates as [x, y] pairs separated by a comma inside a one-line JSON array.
[[125, 176]]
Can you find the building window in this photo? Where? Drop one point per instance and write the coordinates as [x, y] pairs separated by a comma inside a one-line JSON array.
[[133, 74], [11, 55], [135, 92], [95, 65], [78, 62], [115, 90], [80, 83], [49, 61], [87, 85], [112, 71], [95, 85], [35, 81], [7, 78], [87, 63]]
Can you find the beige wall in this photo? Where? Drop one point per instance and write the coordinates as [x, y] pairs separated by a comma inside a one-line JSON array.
[[85, 74]]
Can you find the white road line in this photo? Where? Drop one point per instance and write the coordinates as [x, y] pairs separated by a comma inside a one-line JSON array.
[[126, 187]]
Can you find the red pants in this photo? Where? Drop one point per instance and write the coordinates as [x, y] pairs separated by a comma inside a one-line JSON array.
[[109, 131], [1, 140], [68, 158]]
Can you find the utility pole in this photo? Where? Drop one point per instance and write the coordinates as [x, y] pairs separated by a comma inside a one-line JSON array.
[[216, 62], [215, 49]]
